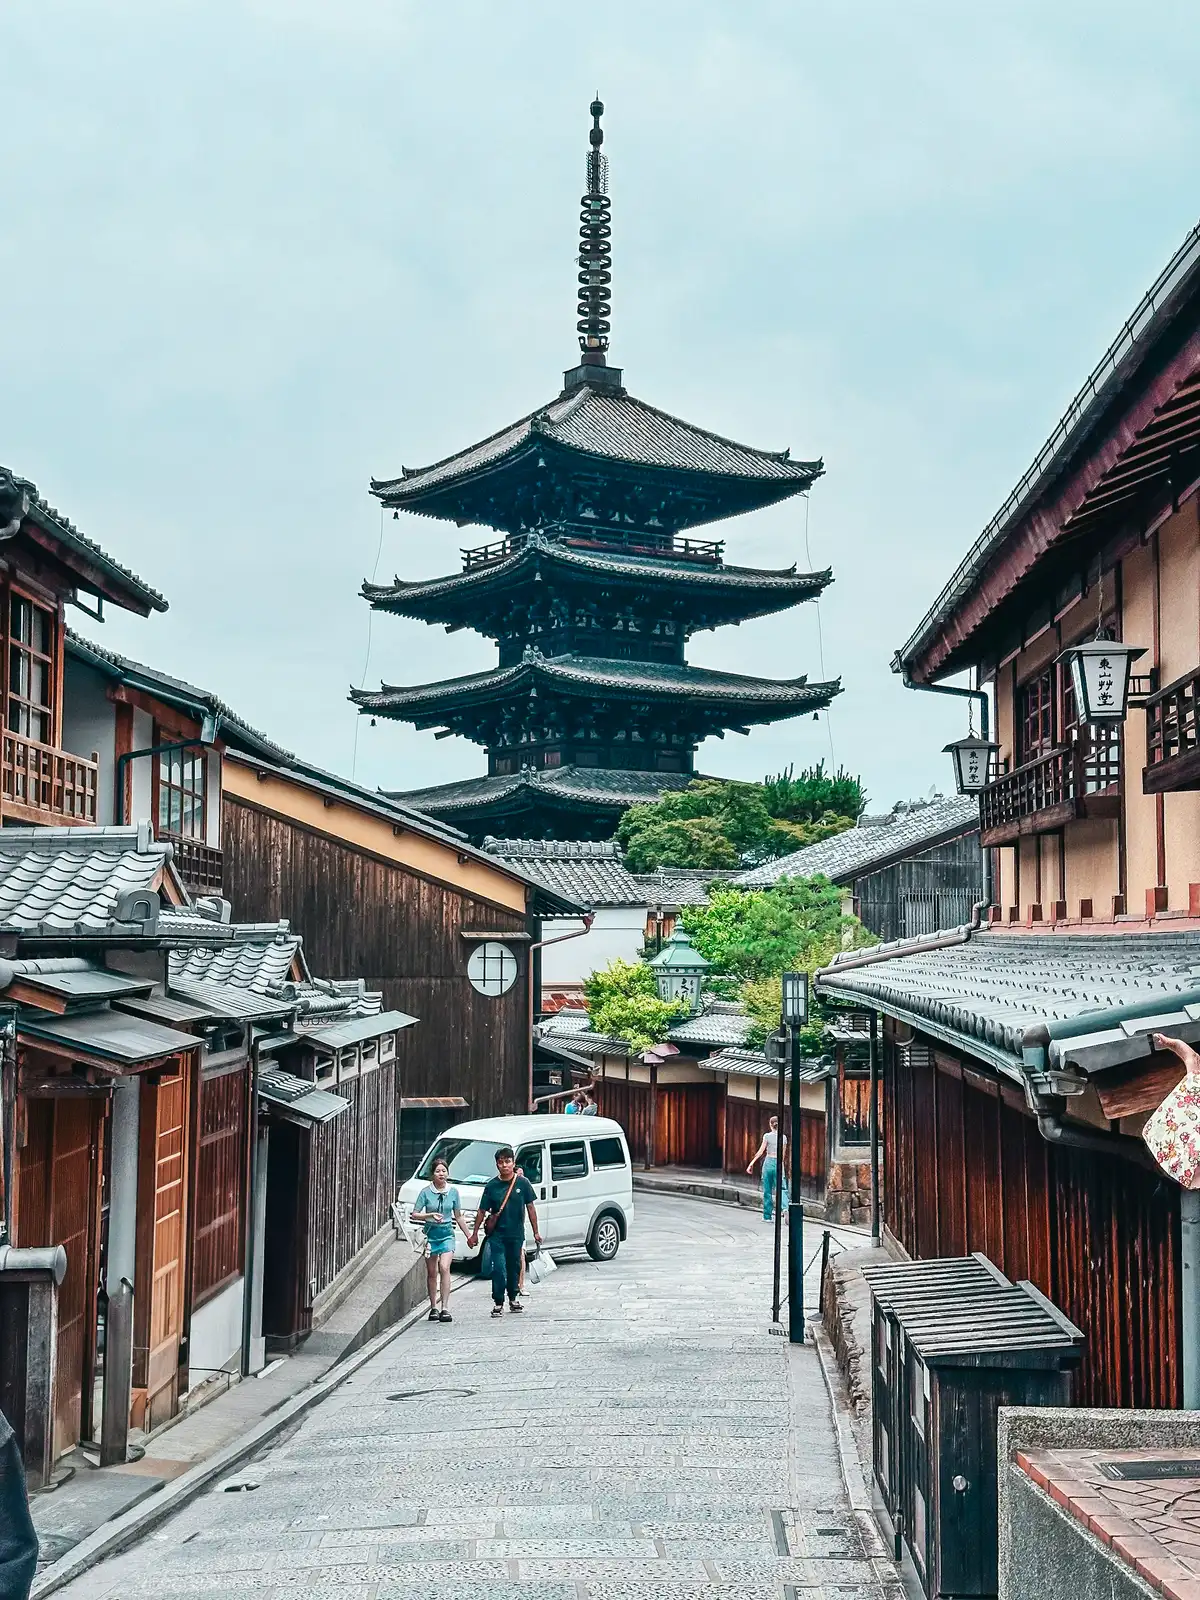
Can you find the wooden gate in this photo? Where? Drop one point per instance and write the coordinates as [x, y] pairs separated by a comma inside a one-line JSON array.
[[161, 1244], [58, 1202]]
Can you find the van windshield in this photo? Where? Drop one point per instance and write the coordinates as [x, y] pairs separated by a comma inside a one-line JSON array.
[[471, 1160]]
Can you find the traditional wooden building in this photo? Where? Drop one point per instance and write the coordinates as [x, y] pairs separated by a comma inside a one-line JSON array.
[[591, 592], [914, 870], [1018, 1065]]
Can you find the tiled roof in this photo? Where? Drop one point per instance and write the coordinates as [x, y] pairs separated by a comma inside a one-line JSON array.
[[723, 1027], [682, 886], [774, 589], [593, 874], [848, 855], [613, 426], [986, 990], [582, 787], [69, 880], [754, 1064], [173, 691], [584, 675], [259, 958], [54, 523]]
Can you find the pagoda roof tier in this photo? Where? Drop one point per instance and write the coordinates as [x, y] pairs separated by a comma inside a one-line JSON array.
[[598, 455], [578, 794], [711, 590], [719, 698]]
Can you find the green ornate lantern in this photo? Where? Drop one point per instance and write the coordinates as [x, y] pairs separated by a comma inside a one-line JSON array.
[[679, 970]]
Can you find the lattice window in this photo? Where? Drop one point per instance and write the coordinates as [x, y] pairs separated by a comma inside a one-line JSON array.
[[30, 670], [1036, 715], [182, 779], [220, 1185]]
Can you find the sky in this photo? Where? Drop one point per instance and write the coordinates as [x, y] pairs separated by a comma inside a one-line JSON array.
[[253, 254]]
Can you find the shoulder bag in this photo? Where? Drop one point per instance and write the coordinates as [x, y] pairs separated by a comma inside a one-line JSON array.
[[489, 1223]]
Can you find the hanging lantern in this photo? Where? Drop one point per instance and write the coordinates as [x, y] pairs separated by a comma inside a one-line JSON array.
[[795, 999], [679, 970], [1100, 678], [972, 762]]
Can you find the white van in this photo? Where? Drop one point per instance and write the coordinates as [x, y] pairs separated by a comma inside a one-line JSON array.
[[579, 1168]]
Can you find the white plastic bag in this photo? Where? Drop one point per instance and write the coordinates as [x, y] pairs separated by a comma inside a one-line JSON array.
[[540, 1268]]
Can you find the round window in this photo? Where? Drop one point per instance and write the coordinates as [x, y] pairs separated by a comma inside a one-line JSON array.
[[492, 968]]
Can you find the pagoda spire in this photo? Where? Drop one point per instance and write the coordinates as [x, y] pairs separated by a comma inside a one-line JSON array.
[[595, 251]]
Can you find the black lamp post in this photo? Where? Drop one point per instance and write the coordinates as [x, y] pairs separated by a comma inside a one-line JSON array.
[[795, 1015]]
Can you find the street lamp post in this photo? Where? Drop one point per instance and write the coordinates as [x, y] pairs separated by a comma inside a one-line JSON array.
[[795, 1015]]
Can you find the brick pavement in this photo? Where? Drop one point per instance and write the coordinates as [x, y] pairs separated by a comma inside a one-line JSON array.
[[637, 1433]]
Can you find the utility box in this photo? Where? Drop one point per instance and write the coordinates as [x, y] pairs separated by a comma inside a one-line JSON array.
[[951, 1341]]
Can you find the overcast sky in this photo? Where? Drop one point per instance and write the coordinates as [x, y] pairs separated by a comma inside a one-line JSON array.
[[252, 254]]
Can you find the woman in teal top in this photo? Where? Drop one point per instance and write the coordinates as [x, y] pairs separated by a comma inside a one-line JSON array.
[[437, 1207]]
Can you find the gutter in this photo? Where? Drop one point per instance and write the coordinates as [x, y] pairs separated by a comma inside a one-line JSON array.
[[912, 947]]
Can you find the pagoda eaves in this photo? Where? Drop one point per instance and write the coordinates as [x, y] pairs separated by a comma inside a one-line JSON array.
[[596, 457], [536, 585]]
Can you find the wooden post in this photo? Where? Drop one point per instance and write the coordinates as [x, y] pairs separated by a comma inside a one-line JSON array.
[[874, 1126], [118, 1375]]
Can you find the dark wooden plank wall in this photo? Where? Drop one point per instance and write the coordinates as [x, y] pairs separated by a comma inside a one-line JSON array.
[[351, 1175], [966, 1169], [936, 889], [361, 917], [687, 1130], [220, 1185], [628, 1104]]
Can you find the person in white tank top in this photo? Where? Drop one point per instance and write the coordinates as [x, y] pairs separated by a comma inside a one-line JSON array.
[[768, 1153]]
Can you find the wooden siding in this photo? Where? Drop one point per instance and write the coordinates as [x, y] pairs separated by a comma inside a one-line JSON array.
[[329, 1191], [58, 1203], [221, 1184], [362, 917], [162, 1214], [966, 1169], [687, 1128], [628, 1104], [746, 1122], [936, 889]]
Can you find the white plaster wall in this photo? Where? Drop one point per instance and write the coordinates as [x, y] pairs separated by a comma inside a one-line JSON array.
[[212, 801], [617, 931], [216, 1333], [90, 727], [142, 792]]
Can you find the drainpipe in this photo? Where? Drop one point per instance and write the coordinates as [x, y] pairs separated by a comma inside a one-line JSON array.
[[1189, 1206], [251, 1209], [984, 724], [540, 944]]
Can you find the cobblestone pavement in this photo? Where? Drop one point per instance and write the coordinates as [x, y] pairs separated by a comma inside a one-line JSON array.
[[636, 1433]]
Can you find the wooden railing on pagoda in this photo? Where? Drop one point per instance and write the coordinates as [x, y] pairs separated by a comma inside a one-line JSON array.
[[43, 785], [1081, 779], [1173, 736], [634, 541], [200, 865]]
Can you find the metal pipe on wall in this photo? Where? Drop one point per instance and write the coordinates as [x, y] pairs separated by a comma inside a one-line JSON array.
[[537, 946], [873, 1122]]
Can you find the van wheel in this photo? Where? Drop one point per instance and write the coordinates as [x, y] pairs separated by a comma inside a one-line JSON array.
[[605, 1238]]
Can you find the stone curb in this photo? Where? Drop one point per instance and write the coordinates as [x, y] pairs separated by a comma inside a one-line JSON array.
[[725, 1193], [131, 1525], [839, 1404]]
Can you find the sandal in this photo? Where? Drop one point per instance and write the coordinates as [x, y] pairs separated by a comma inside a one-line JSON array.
[[433, 1313], [445, 1316]]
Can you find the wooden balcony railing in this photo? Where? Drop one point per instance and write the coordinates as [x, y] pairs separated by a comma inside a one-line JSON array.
[[635, 541], [41, 784], [198, 864], [1173, 736], [1082, 779]]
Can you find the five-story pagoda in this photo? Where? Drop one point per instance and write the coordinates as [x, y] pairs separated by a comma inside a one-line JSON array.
[[591, 591]]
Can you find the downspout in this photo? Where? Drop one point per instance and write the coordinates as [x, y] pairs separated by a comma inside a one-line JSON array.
[[208, 738], [540, 944], [251, 1189], [984, 725]]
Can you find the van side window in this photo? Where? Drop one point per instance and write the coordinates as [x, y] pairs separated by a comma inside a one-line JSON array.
[[568, 1160], [529, 1159], [607, 1153]]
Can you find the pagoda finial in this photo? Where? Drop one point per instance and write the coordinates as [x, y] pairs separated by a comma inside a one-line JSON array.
[[595, 251]]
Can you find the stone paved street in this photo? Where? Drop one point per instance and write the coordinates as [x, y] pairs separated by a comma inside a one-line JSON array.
[[637, 1433]]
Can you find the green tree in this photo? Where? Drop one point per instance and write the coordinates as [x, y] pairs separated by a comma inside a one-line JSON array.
[[752, 936], [714, 823], [623, 1002]]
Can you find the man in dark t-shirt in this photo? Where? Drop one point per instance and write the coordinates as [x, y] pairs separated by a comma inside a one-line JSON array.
[[506, 1198]]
